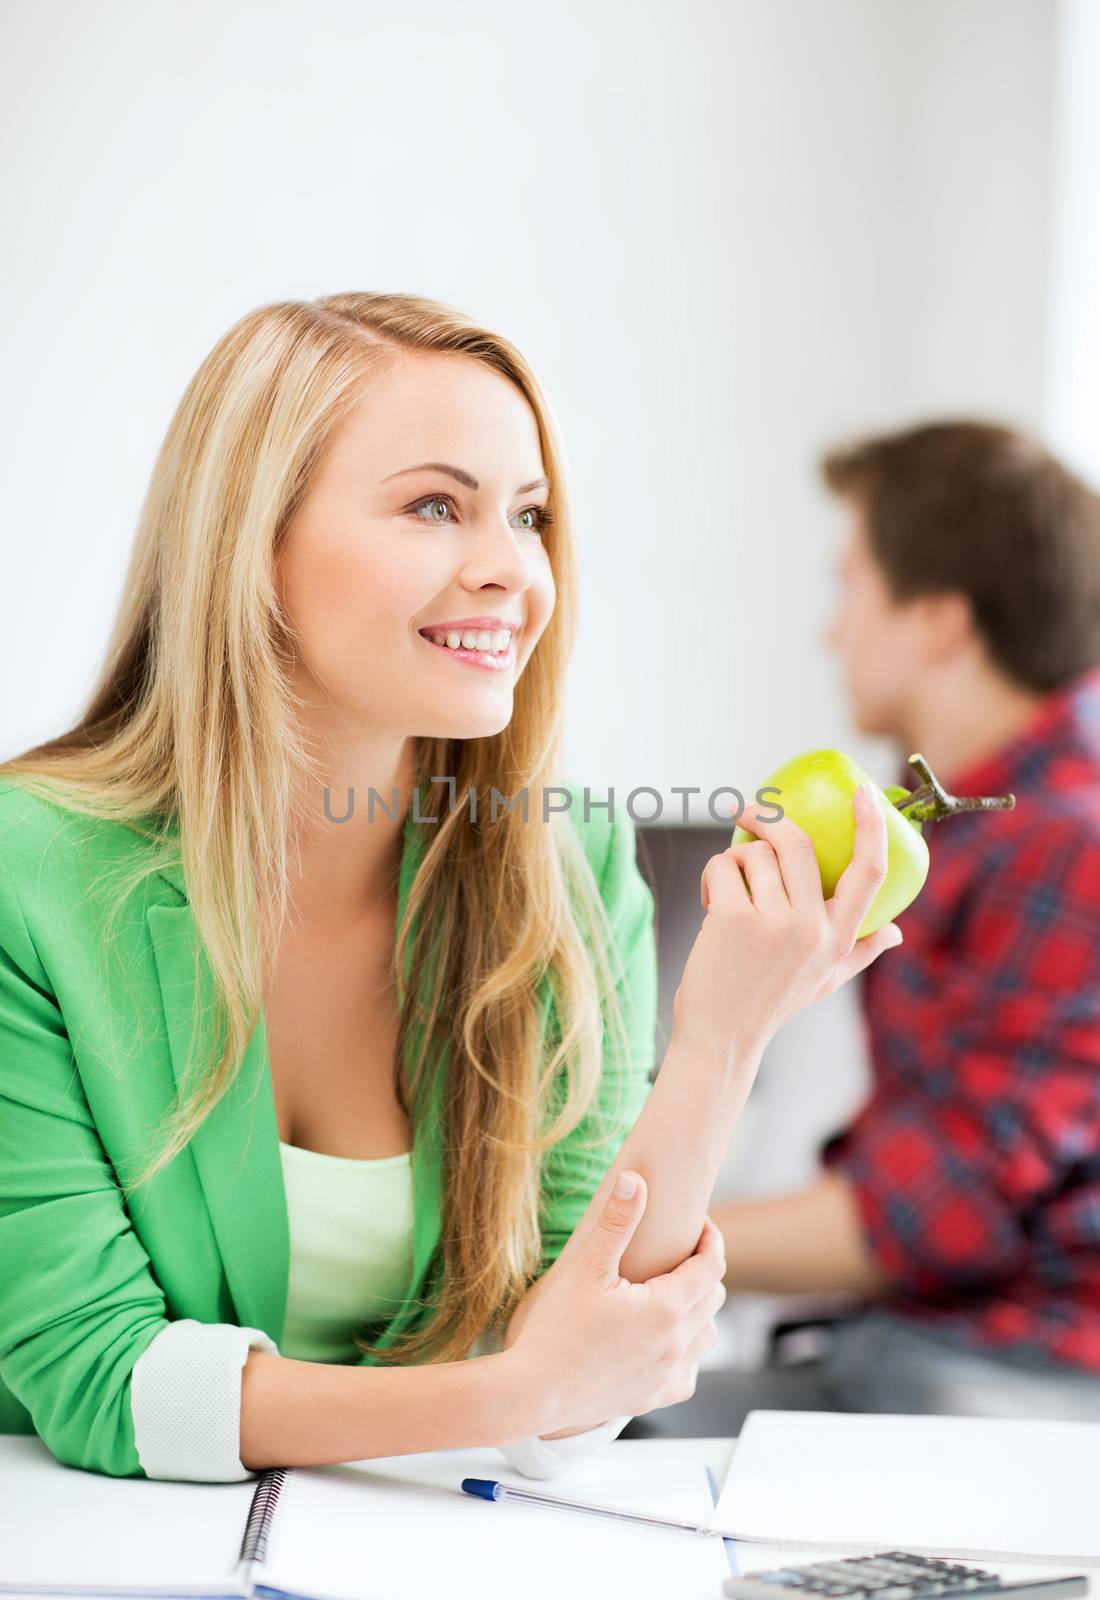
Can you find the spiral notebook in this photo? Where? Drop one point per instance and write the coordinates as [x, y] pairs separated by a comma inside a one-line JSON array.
[[376, 1530]]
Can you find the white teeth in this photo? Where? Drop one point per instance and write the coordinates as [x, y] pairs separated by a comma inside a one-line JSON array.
[[492, 643]]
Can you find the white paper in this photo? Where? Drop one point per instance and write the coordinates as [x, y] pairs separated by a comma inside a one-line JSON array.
[[63, 1525], [401, 1526], [987, 1488]]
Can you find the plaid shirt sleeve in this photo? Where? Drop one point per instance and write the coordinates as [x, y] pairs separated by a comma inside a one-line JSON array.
[[987, 1068]]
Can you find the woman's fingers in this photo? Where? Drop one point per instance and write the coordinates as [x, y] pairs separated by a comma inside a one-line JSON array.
[[760, 866], [711, 1303], [794, 851], [721, 884], [704, 1340], [711, 1244], [695, 1277], [863, 953], [865, 874]]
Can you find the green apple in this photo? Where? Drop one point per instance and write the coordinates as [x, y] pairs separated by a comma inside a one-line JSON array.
[[816, 791]]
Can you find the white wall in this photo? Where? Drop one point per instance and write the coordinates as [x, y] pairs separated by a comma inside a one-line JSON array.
[[1072, 389], [724, 231], [857, 237]]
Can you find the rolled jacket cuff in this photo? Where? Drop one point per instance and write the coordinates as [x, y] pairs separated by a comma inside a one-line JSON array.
[[185, 1400]]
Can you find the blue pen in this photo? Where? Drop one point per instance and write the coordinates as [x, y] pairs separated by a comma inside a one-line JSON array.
[[489, 1489]]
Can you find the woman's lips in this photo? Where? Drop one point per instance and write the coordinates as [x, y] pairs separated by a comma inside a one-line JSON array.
[[476, 658]]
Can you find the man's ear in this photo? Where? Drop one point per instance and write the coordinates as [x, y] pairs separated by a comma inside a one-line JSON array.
[[949, 623]]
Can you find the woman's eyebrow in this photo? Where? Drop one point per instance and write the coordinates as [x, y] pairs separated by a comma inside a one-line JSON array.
[[463, 477]]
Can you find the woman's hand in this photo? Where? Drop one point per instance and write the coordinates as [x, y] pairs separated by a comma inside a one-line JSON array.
[[602, 1347], [771, 943]]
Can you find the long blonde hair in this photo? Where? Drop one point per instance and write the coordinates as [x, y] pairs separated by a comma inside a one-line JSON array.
[[190, 739]]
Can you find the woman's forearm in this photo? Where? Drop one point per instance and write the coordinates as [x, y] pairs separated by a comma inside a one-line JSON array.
[[307, 1413], [678, 1144]]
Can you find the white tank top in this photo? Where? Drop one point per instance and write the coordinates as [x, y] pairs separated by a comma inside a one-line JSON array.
[[351, 1232]]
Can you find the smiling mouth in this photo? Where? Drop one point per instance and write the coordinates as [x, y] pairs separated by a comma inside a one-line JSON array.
[[486, 660]]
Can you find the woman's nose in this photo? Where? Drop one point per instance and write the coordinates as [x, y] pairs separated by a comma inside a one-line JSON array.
[[498, 556]]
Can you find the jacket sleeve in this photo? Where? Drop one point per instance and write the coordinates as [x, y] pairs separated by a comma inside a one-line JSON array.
[[80, 1307], [185, 1395]]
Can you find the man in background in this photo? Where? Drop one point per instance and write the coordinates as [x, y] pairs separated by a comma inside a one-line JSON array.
[[961, 1209]]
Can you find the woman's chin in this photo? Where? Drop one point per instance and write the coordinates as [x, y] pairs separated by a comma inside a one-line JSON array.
[[470, 722]]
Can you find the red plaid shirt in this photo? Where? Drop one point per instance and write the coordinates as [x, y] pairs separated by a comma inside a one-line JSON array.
[[976, 1161]]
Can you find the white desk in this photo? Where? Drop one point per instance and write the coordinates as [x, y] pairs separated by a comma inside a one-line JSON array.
[[715, 1453]]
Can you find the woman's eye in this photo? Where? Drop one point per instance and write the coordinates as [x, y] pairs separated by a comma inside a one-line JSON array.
[[540, 516], [432, 506]]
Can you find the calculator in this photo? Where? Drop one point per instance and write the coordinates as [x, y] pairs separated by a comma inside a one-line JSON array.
[[894, 1575]]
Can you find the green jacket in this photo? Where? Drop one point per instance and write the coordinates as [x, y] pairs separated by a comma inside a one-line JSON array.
[[90, 1057]]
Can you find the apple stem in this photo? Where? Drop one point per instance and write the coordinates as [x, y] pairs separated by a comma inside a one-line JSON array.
[[931, 802]]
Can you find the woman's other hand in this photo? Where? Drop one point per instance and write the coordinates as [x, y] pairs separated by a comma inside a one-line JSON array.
[[600, 1346]]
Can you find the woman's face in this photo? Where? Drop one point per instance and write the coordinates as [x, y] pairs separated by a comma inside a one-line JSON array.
[[422, 529]]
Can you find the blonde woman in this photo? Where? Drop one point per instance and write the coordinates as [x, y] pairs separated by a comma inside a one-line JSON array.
[[325, 1128]]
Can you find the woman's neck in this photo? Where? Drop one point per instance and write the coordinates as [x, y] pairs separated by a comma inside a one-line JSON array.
[[347, 860]]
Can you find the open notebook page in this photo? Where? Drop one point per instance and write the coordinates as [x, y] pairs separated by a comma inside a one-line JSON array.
[[980, 1487], [402, 1526], [62, 1525]]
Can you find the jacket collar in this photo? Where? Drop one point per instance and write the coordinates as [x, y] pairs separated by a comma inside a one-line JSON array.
[[236, 1148]]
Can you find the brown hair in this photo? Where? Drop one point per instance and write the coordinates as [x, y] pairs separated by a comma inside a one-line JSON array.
[[986, 511]]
